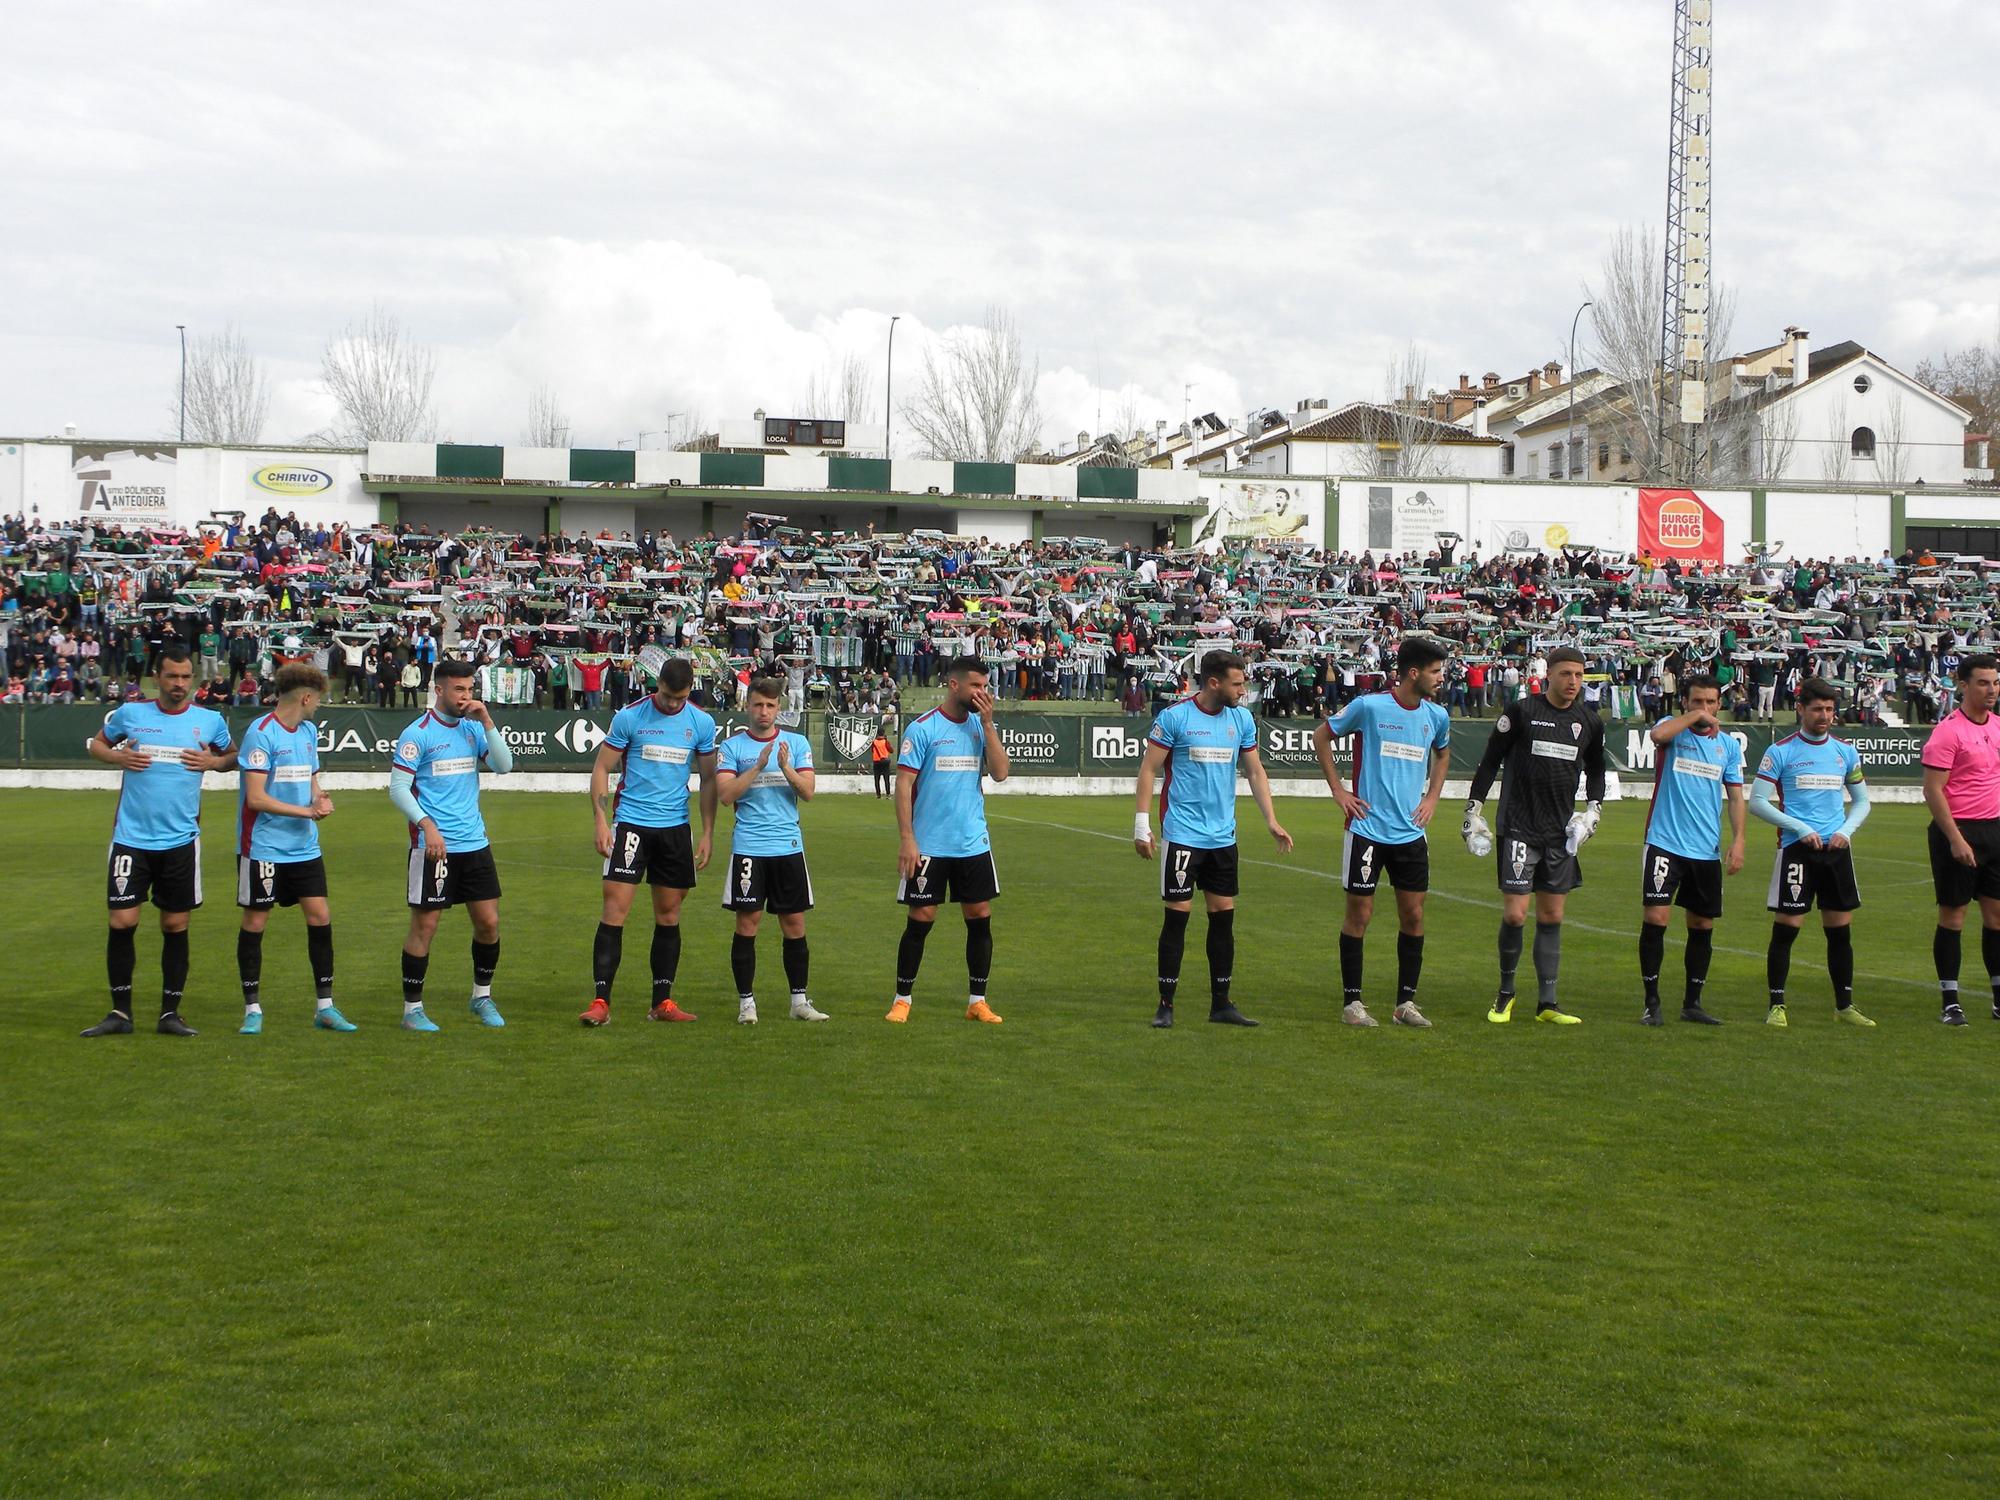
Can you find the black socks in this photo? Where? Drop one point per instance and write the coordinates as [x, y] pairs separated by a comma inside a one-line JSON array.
[[414, 967], [605, 951], [485, 959], [1221, 956], [1778, 958], [978, 955], [1944, 955], [1173, 944], [120, 959], [1840, 964], [1350, 969], [910, 955], [666, 959], [1700, 948], [1511, 940], [1652, 953], [249, 963], [1548, 962], [797, 964], [173, 969], [743, 964], [1409, 965], [319, 954]]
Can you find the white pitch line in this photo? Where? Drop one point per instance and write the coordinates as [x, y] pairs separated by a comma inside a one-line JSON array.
[[1271, 864]]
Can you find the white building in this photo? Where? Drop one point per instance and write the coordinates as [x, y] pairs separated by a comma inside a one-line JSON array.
[[1362, 438]]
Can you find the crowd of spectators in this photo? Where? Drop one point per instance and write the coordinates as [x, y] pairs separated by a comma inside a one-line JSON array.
[[854, 621]]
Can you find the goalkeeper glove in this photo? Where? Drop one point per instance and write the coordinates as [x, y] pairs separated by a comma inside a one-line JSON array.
[[1580, 828], [1478, 837]]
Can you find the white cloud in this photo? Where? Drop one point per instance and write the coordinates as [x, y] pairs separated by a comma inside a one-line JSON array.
[[692, 210]]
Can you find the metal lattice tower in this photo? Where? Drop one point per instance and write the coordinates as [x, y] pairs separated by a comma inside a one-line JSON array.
[[1685, 301]]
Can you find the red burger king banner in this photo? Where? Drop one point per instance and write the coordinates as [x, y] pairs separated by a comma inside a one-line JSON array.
[[1675, 523]]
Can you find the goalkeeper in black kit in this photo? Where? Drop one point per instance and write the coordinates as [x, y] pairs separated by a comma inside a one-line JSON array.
[[1541, 746]]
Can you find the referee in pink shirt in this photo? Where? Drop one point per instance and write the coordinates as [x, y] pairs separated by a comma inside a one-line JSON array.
[[1962, 790]]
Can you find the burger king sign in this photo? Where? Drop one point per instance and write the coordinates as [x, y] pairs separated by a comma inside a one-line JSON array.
[[1675, 523]]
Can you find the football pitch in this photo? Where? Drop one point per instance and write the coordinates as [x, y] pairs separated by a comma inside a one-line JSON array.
[[1069, 1255]]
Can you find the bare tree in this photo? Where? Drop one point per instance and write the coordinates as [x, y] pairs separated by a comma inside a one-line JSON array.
[[227, 394], [1625, 316], [1751, 441], [1970, 377], [1407, 441], [1892, 444], [1835, 464], [976, 399], [380, 382], [842, 390], [548, 424]]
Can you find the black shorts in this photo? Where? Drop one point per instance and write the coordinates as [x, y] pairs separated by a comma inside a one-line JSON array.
[[1802, 878], [768, 882], [454, 880], [940, 878], [1526, 867], [171, 876], [1183, 870], [262, 883], [659, 856], [1669, 879], [1364, 862], [1957, 884]]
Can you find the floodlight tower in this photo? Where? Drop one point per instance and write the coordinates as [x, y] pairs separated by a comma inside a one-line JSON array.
[[1684, 351]]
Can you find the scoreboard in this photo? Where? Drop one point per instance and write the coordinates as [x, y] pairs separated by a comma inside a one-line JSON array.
[[803, 432]]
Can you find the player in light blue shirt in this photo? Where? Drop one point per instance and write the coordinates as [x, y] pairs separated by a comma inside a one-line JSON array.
[[1399, 750], [1697, 768], [163, 747], [1811, 787], [1194, 748], [278, 807], [658, 745], [944, 853], [434, 784], [765, 772]]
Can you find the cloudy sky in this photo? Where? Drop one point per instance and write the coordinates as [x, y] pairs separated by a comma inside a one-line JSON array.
[[661, 208]]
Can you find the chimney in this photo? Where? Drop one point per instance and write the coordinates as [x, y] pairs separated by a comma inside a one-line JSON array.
[[1801, 359], [1479, 416], [1553, 371], [1534, 381], [1465, 382], [1490, 381]]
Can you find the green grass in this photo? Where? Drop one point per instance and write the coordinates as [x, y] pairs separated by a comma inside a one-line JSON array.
[[1069, 1255]]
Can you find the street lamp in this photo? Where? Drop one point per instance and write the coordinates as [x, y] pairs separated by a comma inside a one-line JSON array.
[[889, 389], [183, 330], [1569, 428]]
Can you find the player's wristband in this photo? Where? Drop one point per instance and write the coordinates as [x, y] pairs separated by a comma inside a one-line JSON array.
[[1142, 828]]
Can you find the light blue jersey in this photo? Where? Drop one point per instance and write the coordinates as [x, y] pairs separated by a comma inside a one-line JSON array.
[[1390, 761], [289, 759], [660, 752], [1198, 793], [948, 815], [160, 807], [1812, 778], [442, 756], [1686, 818], [767, 816]]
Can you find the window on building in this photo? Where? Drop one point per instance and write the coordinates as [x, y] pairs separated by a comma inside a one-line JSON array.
[[1603, 455], [1534, 466], [1862, 385], [1507, 461], [1624, 453], [1555, 460], [1576, 456], [1863, 445]]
